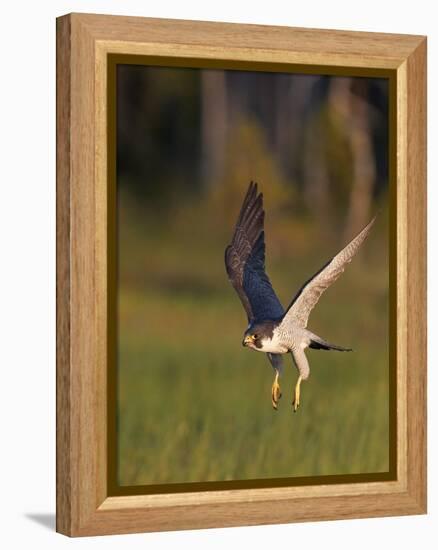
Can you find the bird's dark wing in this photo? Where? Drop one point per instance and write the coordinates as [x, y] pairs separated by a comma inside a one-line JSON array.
[[276, 360], [245, 261], [307, 297]]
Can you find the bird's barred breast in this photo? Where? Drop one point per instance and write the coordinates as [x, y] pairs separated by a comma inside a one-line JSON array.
[[271, 345], [284, 339], [292, 337]]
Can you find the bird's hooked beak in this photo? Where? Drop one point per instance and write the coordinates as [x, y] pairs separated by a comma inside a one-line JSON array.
[[249, 339]]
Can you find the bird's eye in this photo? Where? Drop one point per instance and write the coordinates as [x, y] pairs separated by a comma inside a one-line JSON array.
[[254, 336]]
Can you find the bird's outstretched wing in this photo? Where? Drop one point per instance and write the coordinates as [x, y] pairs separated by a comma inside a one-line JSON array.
[[245, 261], [307, 297]]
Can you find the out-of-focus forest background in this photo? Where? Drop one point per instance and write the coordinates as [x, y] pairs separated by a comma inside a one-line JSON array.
[[193, 405]]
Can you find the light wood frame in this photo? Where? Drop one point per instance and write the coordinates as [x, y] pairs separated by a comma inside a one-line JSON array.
[[83, 44]]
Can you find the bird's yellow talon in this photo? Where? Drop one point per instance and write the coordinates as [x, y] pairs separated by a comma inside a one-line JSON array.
[[276, 392], [296, 401]]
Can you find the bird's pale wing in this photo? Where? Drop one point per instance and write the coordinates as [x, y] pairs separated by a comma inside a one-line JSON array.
[[245, 261], [307, 297]]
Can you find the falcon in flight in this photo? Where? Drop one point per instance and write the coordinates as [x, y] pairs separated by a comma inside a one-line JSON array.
[[272, 329]]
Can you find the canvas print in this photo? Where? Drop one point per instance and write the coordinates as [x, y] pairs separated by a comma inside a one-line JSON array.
[[253, 302]]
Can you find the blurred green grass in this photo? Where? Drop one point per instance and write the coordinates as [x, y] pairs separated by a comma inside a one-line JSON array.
[[193, 405]]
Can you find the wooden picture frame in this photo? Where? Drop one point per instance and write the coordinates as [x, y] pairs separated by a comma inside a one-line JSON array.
[[84, 42]]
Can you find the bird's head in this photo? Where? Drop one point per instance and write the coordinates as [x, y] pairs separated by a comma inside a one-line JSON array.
[[257, 335]]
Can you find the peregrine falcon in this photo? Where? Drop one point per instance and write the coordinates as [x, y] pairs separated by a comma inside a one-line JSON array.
[[272, 329]]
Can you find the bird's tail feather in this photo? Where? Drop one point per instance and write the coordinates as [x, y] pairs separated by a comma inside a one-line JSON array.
[[319, 343]]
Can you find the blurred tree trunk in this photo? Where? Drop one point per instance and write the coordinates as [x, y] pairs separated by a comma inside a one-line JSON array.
[[213, 125], [317, 193], [292, 98], [316, 180], [355, 114], [364, 167]]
